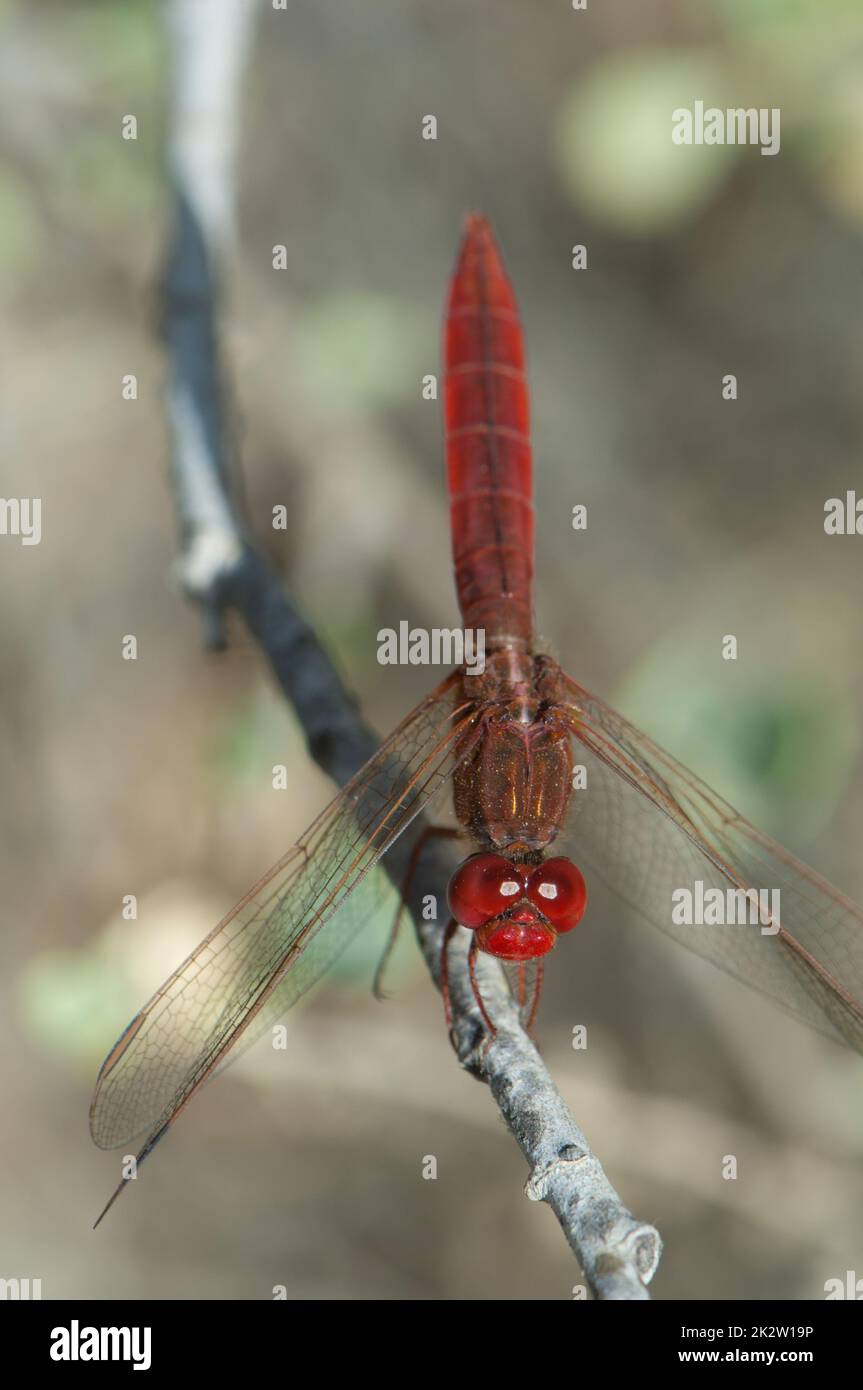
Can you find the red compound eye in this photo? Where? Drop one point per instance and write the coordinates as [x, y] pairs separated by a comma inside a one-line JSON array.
[[558, 889], [483, 887]]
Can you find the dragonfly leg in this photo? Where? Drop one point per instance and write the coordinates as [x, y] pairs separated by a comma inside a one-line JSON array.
[[471, 965], [449, 933], [537, 991], [522, 986], [443, 832]]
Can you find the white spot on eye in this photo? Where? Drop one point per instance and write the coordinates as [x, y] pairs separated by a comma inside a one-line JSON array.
[[509, 888], [548, 890]]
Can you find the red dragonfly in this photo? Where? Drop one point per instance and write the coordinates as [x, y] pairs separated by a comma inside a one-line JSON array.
[[534, 764]]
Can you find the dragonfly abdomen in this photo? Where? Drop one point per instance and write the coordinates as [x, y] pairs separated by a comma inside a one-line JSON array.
[[488, 453]]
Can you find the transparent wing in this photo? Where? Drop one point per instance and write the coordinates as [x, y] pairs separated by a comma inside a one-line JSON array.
[[373, 895], [649, 827], [279, 939]]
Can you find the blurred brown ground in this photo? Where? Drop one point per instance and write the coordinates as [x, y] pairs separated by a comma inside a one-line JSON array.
[[153, 777]]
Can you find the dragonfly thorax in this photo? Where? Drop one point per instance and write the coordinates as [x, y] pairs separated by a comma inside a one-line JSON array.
[[516, 783]]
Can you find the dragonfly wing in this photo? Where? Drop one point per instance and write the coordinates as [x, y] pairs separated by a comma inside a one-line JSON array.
[[173, 1045], [374, 895], [649, 827]]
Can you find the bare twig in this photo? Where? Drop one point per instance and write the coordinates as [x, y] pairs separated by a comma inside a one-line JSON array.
[[221, 568]]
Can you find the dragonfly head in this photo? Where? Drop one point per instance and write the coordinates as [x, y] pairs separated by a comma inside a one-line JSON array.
[[517, 910]]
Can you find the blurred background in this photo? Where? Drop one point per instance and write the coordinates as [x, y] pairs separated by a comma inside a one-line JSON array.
[[705, 517]]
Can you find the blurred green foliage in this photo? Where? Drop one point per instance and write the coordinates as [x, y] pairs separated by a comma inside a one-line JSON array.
[[22, 237], [362, 350], [68, 1001], [103, 177], [613, 140], [782, 753], [122, 46], [235, 748]]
